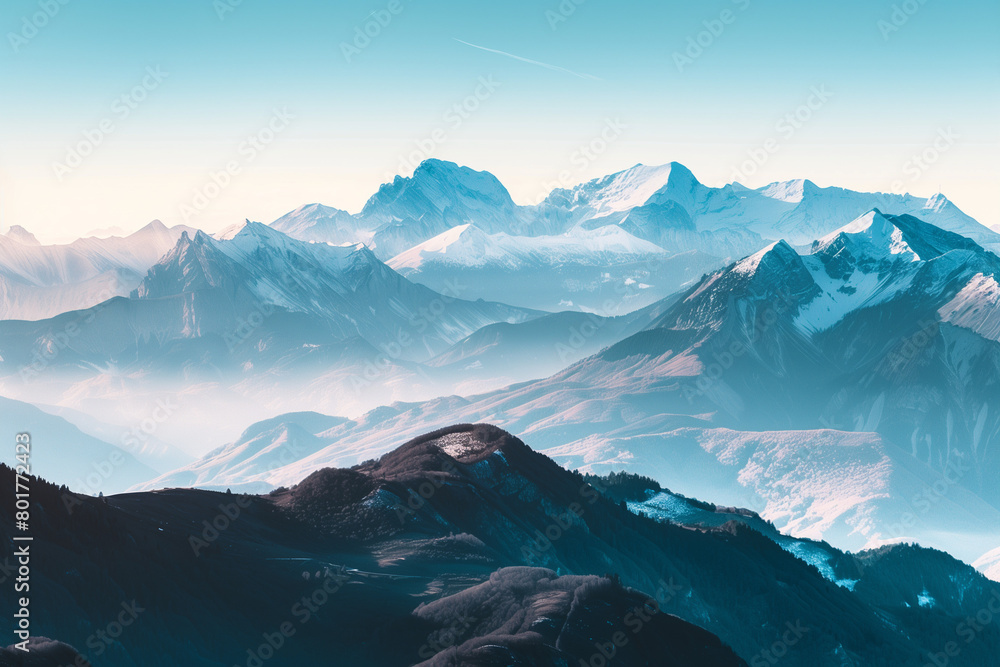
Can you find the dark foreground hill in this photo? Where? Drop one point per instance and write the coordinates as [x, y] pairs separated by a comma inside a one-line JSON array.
[[465, 547]]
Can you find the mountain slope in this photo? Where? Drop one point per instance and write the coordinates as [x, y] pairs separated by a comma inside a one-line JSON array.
[[261, 449], [439, 196], [860, 335], [69, 457], [37, 282], [446, 219], [347, 288], [436, 522], [989, 564], [252, 325], [322, 224], [605, 270], [657, 202]]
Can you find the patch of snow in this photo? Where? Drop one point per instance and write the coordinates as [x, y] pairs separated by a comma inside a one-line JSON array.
[[989, 564], [749, 265], [786, 191], [469, 246], [976, 307]]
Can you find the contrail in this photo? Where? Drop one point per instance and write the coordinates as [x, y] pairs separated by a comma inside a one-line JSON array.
[[533, 62]]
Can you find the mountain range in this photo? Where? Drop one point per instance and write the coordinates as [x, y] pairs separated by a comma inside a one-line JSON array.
[[608, 246], [664, 205], [251, 315], [447, 222], [863, 364], [38, 282], [824, 357]]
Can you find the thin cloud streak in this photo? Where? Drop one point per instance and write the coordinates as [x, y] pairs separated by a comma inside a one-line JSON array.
[[533, 62]]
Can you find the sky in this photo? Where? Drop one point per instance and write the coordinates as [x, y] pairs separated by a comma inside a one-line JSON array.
[[207, 112]]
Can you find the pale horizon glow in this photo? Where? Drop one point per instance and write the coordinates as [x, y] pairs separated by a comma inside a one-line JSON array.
[[358, 116], [528, 193]]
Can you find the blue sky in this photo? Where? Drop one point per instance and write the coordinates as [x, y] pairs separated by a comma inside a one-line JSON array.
[[890, 91]]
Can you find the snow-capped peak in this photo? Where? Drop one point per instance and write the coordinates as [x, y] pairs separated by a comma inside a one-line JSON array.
[[194, 263], [879, 236], [230, 232], [465, 233], [313, 215], [467, 245], [779, 252], [155, 226], [439, 196], [22, 236], [631, 188], [441, 184], [251, 243], [938, 203], [316, 209], [463, 244], [443, 169], [791, 192], [316, 222], [250, 236], [989, 564], [871, 223], [639, 184], [258, 257], [904, 237]]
